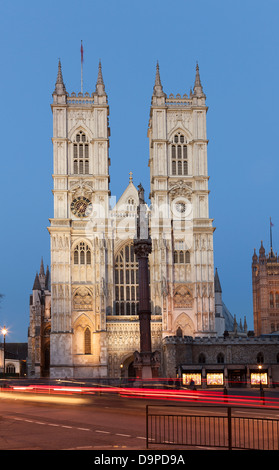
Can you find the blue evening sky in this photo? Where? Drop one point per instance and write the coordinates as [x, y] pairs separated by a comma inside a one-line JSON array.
[[236, 44]]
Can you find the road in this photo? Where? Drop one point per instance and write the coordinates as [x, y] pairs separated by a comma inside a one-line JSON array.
[[105, 422]]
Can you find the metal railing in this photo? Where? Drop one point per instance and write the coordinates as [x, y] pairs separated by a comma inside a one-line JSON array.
[[225, 429]]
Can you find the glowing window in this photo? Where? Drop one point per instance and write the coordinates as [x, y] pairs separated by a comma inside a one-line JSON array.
[[126, 282]]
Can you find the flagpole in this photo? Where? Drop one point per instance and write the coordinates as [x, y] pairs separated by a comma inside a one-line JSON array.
[[81, 72], [270, 234]]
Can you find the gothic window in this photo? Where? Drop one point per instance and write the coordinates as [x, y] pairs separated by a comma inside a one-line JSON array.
[[271, 300], [126, 282], [260, 358], [82, 254], [81, 154], [181, 255], [220, 358], [277, 300], [131, 206], [179, 332], [87, 341], [201, 358], [10, 369], [179, 157]]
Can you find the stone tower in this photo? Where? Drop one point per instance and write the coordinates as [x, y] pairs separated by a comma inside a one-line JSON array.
[[39, 325], [79, 274], [94, 269], [265, 283], [182, 266]]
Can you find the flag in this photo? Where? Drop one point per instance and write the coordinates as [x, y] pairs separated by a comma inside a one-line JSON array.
[[81, 52], [271, 224]]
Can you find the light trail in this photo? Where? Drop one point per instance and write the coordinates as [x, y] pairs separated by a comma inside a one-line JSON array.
[[213, 397]]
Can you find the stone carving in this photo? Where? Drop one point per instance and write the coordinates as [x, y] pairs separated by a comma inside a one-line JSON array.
[[183, 297], [181, 189], [82, 299], [81, 188]]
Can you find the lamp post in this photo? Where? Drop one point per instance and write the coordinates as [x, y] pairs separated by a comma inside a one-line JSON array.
[[4, 332]]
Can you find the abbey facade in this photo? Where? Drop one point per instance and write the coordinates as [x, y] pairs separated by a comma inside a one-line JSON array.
[[83, 319]]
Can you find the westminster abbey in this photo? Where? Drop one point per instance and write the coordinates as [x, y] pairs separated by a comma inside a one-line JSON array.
[[83, 309]]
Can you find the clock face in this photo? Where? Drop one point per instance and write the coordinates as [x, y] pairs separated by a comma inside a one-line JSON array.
[[180, 207], [81, 207]]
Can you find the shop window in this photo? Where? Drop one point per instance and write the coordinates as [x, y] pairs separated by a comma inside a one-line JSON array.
[[215, 378], [188, 378]]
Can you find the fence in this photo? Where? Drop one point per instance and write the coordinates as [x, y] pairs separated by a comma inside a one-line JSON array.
[[226, 429]]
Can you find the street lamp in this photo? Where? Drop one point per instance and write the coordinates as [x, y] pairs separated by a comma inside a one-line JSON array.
[[4, 332]]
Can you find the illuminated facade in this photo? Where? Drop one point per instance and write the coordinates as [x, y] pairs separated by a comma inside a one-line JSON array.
[[94, 322]]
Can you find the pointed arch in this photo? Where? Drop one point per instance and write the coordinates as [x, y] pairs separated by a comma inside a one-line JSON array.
[[178, 148]]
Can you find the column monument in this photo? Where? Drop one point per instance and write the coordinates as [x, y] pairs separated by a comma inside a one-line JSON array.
[[146, 363]]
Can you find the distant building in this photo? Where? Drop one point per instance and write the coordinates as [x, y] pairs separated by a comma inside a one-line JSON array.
[[39, 325], [265, 282], [15, 359]]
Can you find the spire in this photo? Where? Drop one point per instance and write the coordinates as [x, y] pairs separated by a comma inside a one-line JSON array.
[[47, 279], [198, 90], [100, 87], [262, 250], [158, 89], [217, 284], [60, 88], [255, 257], [42, 269], [36, 285]]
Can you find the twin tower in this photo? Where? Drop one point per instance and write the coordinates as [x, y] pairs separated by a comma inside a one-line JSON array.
[[94, 273]]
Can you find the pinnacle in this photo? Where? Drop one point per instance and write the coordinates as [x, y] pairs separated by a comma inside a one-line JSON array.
[[60, 88], [198, 90], [158, 89], [100, 87]]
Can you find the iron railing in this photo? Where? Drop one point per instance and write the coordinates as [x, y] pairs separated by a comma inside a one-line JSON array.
[[227, 428]]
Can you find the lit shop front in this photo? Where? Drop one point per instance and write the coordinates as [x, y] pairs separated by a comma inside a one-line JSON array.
[[228, 376], [258, 378], [202, 377], [209, 378]]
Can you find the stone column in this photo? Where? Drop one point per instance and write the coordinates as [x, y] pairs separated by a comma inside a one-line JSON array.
[[145, 362]]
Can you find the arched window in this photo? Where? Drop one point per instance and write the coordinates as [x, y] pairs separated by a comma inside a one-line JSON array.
[[87, 341], [81, 154], [126, 281], [271, 300], [260, 358], [179, 332], [277, 300], [201, 358], [82, 254], [179, 157], [10, 369], [181, 255], [220, 358]]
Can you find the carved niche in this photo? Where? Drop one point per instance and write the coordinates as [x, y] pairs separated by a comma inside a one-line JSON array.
[[182, 297], [82, 299]]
